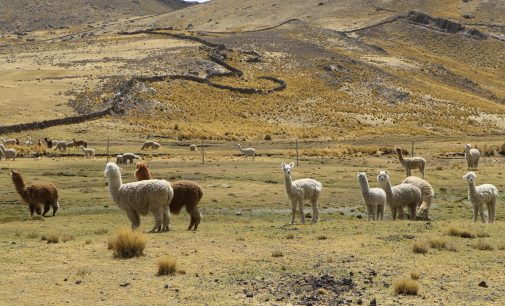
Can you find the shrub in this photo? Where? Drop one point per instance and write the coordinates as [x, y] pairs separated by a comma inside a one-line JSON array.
[[420, 247], [127, 243], [458, 232], [50, 237], [414, 275], [437, 243], [406, 286], [277, 254], [482, 245], [167, 265]]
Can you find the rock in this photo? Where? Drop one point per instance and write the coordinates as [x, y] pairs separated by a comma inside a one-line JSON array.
[[249, 295], [483, 284], [77, 282], [373, 302], [166, 286]]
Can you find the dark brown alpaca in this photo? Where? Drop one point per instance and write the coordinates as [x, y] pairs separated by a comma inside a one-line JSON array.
[[186, 194], [49, 143], [78, 143], [36, 195]]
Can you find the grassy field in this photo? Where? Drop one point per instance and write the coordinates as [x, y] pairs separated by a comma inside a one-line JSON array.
[[245, 251]]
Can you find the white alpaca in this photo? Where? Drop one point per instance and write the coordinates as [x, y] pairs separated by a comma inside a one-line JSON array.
[[119, 159], [480, 195], [427, 194], [374, 198], [150, 144], [299, 190], [193, 147], [129, 157], [9, 142], [399, 196], [88, 152], [247, 152], [9, 153], [472, 157], [411, 163], [140, 198], [61, 146], [29, 141]]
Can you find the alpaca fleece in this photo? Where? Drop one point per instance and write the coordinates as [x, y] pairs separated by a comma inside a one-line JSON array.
[[399, 196], [150, 144], [411, 163], [36, 195], [427, 194], [142, 172], [472, 157], [141, 198], [128, 157], [374, 198], [481, 195]]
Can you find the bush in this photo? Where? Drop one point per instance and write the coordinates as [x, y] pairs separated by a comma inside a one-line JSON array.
[[437, 243], [277, 254], [127, 243], [420, 247], [406, 286], [458, 232], [50, 237], [414, 275], [482, 245], [167, 265]]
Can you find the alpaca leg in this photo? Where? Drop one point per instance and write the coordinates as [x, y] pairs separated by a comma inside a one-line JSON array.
[[300, 208], [134, 219], [32, 209], [254, 156], [489, 213], [393, 213], [422, 171], [191, 223], [55, 207], [413, 212], [493, 209], [476, 164], [293, 211], [315, 212], [158, 221], [369, 211], [38, 210], [166, 220], [475, 213], [400, 213], [481, 212], [374, 213], [197, 217], [381, 212], [47, 206]]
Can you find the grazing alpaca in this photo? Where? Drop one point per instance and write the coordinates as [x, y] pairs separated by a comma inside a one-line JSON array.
[[427, 193], [36, 195], [9, 153], [78, 143], [193, 147], [9, 142], [150, 144], [480, 195], [129, 157], [61, 146], [119, 159], [411, 163], [299, 190], [140, 198], [186, 194], [88, 153], [399, 196], [472, 157], [247, 152], [374, 198]]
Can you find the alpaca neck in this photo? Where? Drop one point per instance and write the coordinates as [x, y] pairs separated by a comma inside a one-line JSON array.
[[400, 156], [19, 183], [115, 183], [363, 183], [240, 148], [471, 188], [289, 183], [387, 188]]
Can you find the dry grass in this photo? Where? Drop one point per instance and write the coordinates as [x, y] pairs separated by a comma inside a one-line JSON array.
[[33, 235], [167, 265], [127, 243], [414, 275], [50, 237], [277, 253], [482, 245], [406, 286], [322, 237], [290, 236], [437, 243], [420, 247], [459, 232], [101, 231], [67, 237]]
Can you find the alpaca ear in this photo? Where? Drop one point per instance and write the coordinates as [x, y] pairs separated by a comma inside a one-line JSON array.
[[292, 165], [283, 164]]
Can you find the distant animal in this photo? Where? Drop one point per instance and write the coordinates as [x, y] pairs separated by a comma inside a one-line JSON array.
[[481, 195], [88, 152], [9, 142], [8, 153], [141, 198], [411, 163], [78, 143], [400, 196], [49, 143], [193, 147], [29, 141], [61, 146], [300, 190], [150, 144], [374, 198], [36, 195], [427, 194], [119, 159], [186, 194], [129, 157], [247, 152], [472, 157]]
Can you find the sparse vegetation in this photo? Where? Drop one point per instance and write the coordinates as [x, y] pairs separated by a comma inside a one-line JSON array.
[[101, 231], [406, 286], [414, 275], [420, 247], [290, 236], [458, 232], [127, 243], [277, 253], [482, 245], [437, 243], [167, 265], [50, 237]]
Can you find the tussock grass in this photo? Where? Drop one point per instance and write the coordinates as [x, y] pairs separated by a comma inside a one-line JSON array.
[[33, 235], [167, 265], [322, 237], [290, 236], [406, 286], [101, 231], [482, 245], [437, 243], [458, 232], [50, 237], [66, 237], [127, 243], [277, 253], [420, 247], [414, 275]]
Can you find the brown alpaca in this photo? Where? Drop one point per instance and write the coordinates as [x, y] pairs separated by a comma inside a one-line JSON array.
[[78, 143], [186, 193], [49, 143], [36, 195]]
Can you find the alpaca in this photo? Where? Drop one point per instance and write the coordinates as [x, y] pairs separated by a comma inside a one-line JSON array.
[[9, 153], [427, 195], [140, 198], [9, 142], [119, 159], [480, 195], [78, 143], [193, 147], [61, 146], [129, 157], [374, 198], [472, 157], [186, 193], [150, 144], [299, 190], [36, 195], [400, 196], [247, 152], [88, 153], [411, 163], [49, 142], [29, 141]]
